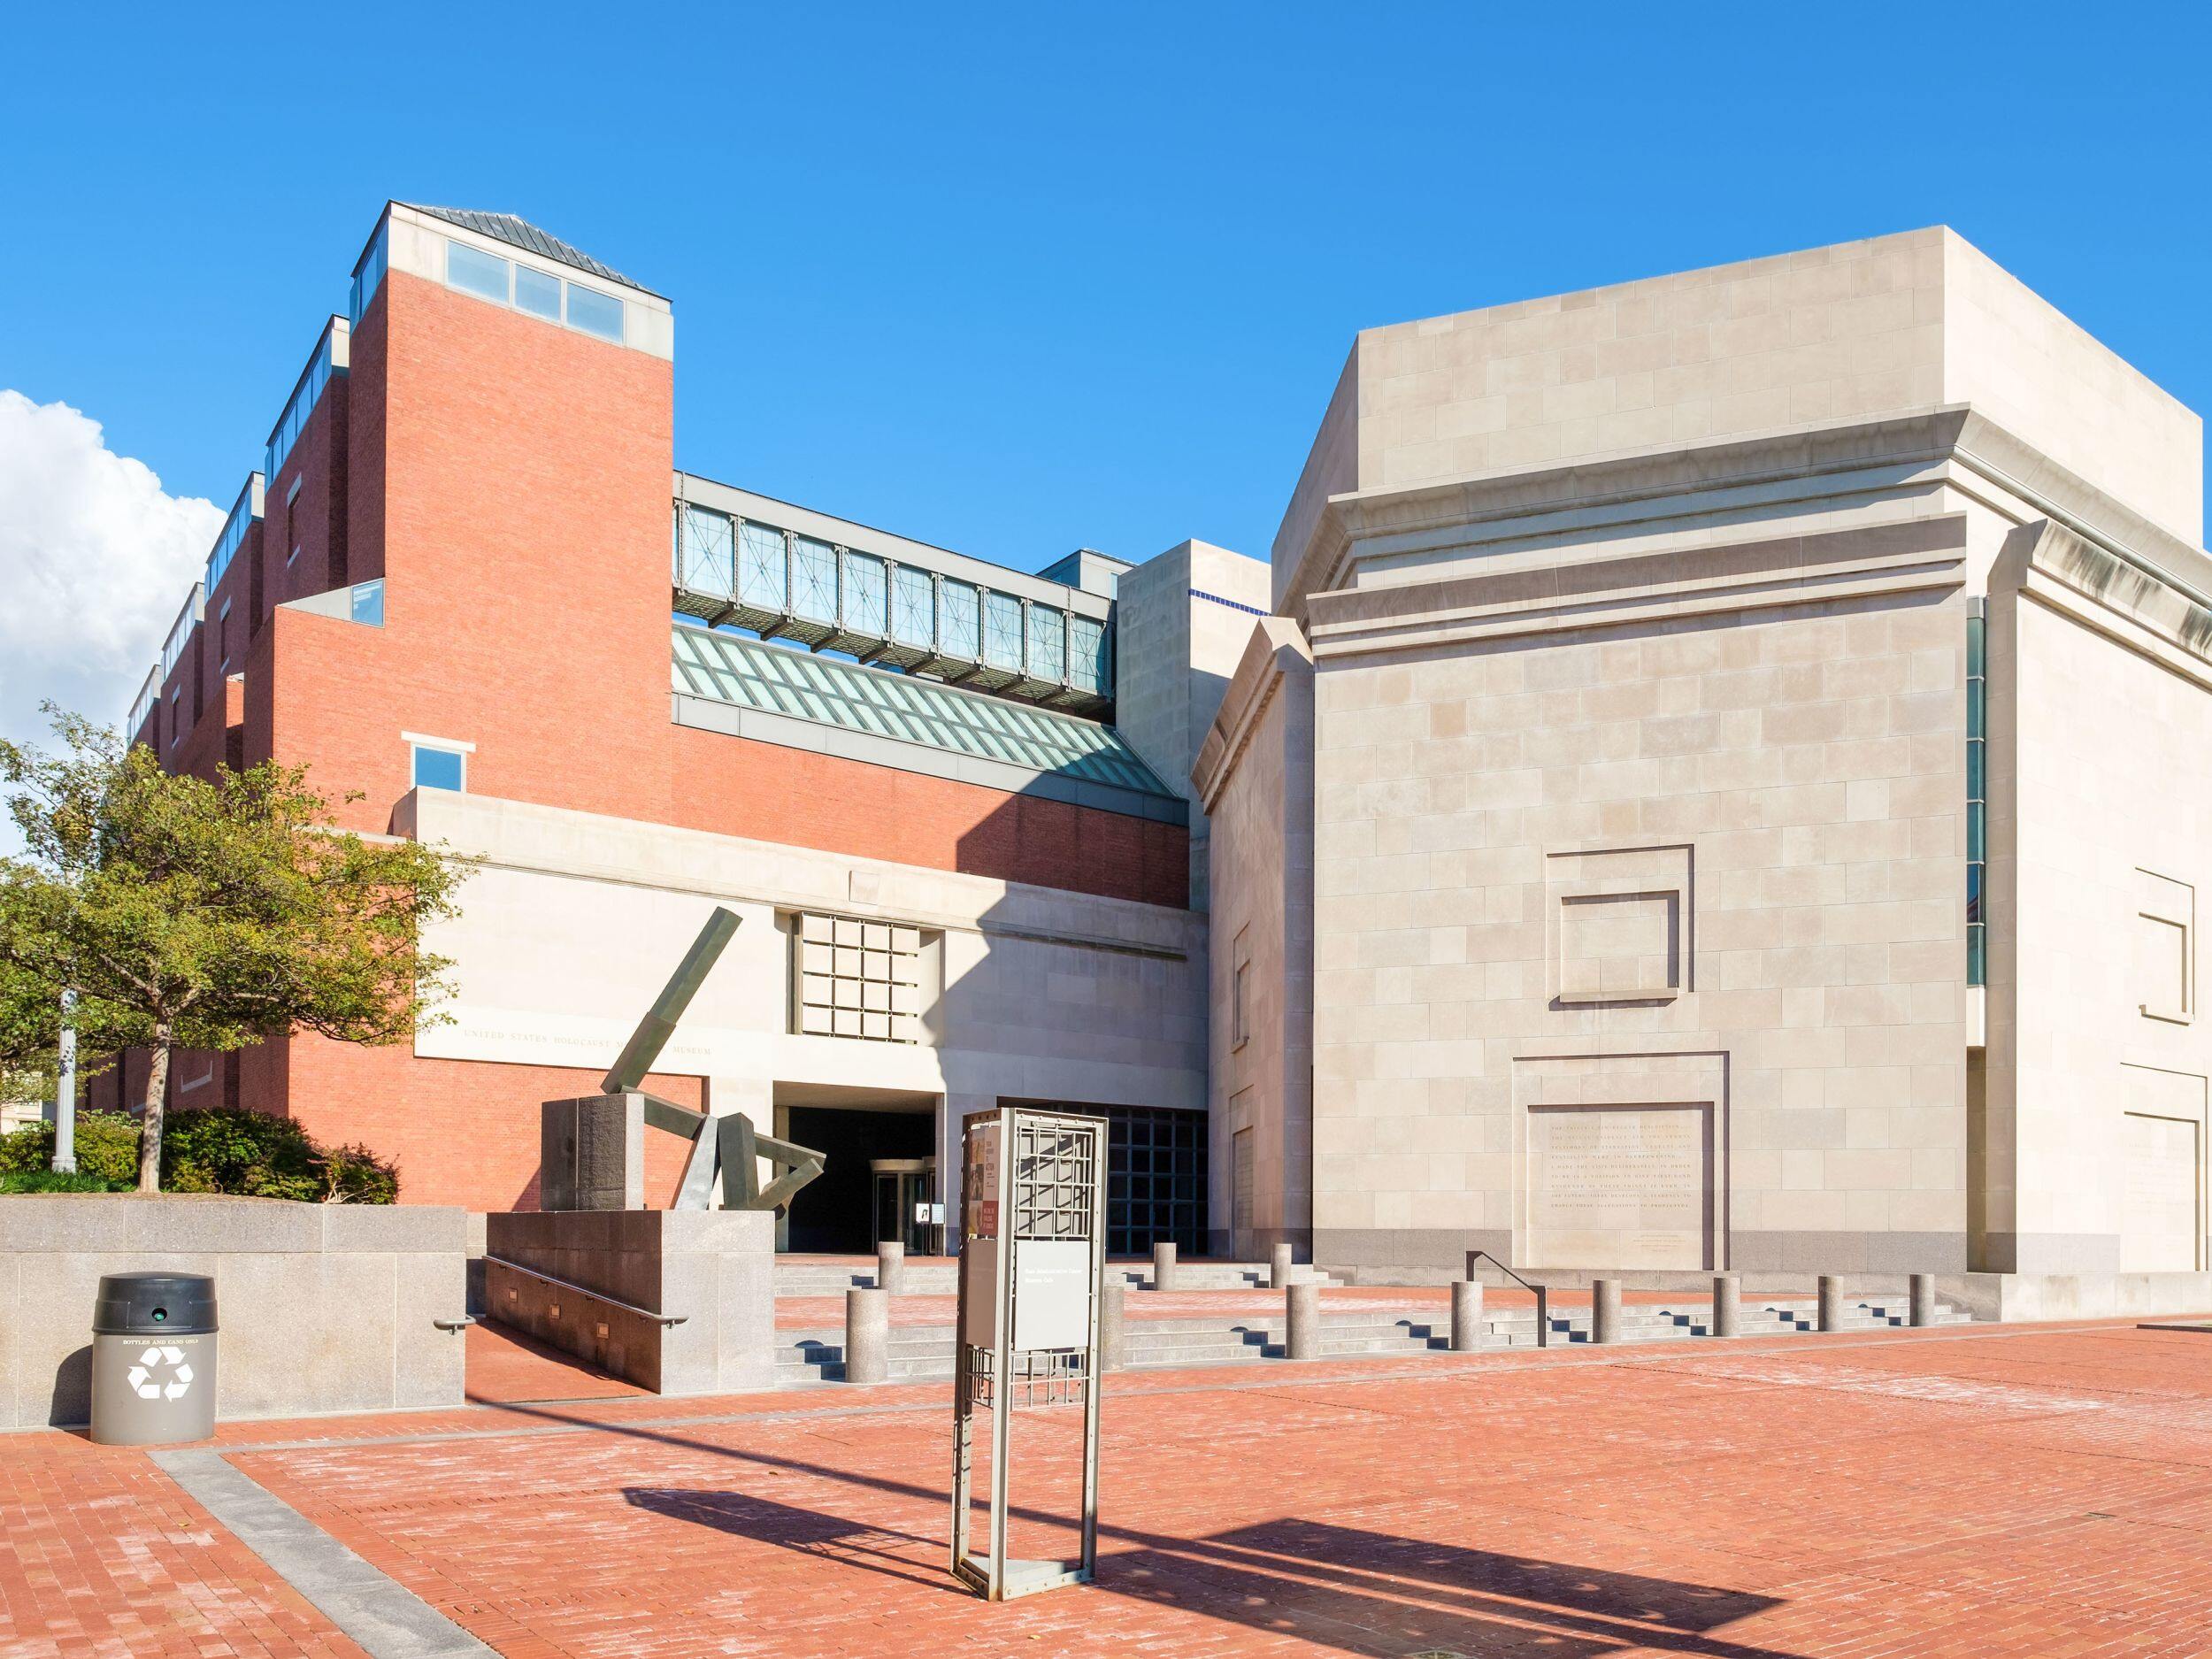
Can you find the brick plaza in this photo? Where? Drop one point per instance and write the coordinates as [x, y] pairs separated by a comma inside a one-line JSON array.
[[2017, 1490]]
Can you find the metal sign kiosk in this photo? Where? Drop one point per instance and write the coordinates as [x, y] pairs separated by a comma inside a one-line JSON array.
[[1032, 1261]]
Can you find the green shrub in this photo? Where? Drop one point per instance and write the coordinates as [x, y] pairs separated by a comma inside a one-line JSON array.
[[218, 1150], [355, 1175], [106, 1145], [215, 1149], [26, 1149], [56, 1181]]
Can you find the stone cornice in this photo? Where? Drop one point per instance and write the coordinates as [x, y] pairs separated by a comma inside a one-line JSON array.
[[1277, 649], [1824, 459], [1702, 579], [2049, 564]]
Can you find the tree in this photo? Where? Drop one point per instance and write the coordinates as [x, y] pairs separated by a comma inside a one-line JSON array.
[[30, 1022], [209, 915]]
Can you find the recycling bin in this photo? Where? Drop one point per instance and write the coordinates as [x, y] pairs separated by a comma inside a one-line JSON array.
[[153, 1359]]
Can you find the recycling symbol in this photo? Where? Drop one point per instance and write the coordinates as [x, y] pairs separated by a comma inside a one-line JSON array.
[[145, 1377]]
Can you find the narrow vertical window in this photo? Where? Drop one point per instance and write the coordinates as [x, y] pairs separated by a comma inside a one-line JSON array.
[[1977, 789]]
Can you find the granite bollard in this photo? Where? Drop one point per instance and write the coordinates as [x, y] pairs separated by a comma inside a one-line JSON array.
[[1605, 1310], [1923, 1295], [867, 1335], [1466, 1316], [1112, 1337], [1164, 1267], [1303, 1337], [1727, 1304]]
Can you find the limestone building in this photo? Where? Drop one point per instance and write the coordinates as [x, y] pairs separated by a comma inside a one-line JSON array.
[[1723, 787]]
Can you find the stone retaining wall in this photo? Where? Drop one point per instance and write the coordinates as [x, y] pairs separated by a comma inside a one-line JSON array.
[[322, 1306], [618, 1268]]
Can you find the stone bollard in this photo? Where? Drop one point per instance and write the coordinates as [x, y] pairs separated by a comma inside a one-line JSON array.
[[1280, 1261], [891, 1269], [1727, 1304], [1466, 1316], [1605, 1310], [1164, 1267], [1831, 1302], [1112, 1340], [1923, 1298], [1304, 1339], [867, 1335]]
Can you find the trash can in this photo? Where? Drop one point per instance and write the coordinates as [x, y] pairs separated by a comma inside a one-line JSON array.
[[153, 1359]]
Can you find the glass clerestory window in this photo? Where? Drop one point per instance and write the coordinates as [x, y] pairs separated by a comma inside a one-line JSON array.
[[538, 293]]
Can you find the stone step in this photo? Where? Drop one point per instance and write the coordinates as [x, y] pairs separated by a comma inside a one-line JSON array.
[[814, 1279], [923, 1353]]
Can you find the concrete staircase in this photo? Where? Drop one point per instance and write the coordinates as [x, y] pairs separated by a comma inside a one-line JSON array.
[[939, 1279], [925, 1352]]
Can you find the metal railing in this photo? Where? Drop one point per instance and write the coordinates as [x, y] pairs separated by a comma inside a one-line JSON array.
[[586, 1290], [1543, 1297]]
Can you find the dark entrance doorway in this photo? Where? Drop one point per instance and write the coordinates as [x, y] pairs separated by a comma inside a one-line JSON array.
[[850, 1208]]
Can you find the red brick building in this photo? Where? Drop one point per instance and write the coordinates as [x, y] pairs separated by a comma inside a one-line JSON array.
[[450, 591]]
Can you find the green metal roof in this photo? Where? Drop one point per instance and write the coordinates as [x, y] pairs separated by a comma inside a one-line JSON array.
[[904, 708]]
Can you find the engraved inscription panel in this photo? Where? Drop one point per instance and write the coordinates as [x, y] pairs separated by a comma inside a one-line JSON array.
[[1620, 1186]]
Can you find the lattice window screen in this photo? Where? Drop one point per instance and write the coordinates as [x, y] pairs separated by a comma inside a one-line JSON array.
[[858, 979]]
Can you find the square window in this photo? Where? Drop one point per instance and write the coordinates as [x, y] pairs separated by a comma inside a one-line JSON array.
[[475, 272], [593, 313], [366, 603], [439, 768], [537, 292]]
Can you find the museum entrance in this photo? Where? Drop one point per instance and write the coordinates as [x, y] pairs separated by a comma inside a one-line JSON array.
[[879, 1179], [906, 1203]]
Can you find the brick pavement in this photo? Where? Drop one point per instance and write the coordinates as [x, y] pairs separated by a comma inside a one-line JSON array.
[[1984, 1491]]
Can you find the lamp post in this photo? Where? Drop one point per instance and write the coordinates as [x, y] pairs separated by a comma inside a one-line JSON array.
[[66, 1088]]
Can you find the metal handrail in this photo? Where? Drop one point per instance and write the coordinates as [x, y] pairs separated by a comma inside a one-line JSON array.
[[1542, 1295], [597, 1295]]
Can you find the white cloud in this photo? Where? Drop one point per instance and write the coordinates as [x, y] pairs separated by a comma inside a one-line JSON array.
[[95, 559]]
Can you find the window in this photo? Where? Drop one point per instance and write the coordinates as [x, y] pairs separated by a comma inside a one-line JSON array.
[[368, 275], [856, 978], [1977, 789], [365, 604], [293, 422], [596, 313], [537, 292], [475, 272], [528, 289], [222, 636], [293, 557], [440, 763]]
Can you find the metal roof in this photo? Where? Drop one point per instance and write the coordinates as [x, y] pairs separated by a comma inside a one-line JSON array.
[[905, 708], [520, 233]]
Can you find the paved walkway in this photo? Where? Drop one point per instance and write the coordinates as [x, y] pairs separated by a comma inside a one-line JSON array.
[[1983, 1492]]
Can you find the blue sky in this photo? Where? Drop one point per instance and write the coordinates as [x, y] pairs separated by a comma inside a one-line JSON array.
[[1016, 281]]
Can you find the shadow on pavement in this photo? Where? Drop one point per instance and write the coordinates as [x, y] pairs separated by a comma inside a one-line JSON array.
[[1347, 1588]]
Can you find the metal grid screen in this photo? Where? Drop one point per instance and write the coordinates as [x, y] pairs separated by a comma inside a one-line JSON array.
[[1156, 1179], [1156, 1167]]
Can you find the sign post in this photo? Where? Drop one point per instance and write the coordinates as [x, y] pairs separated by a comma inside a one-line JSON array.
[[1032, 1263]]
